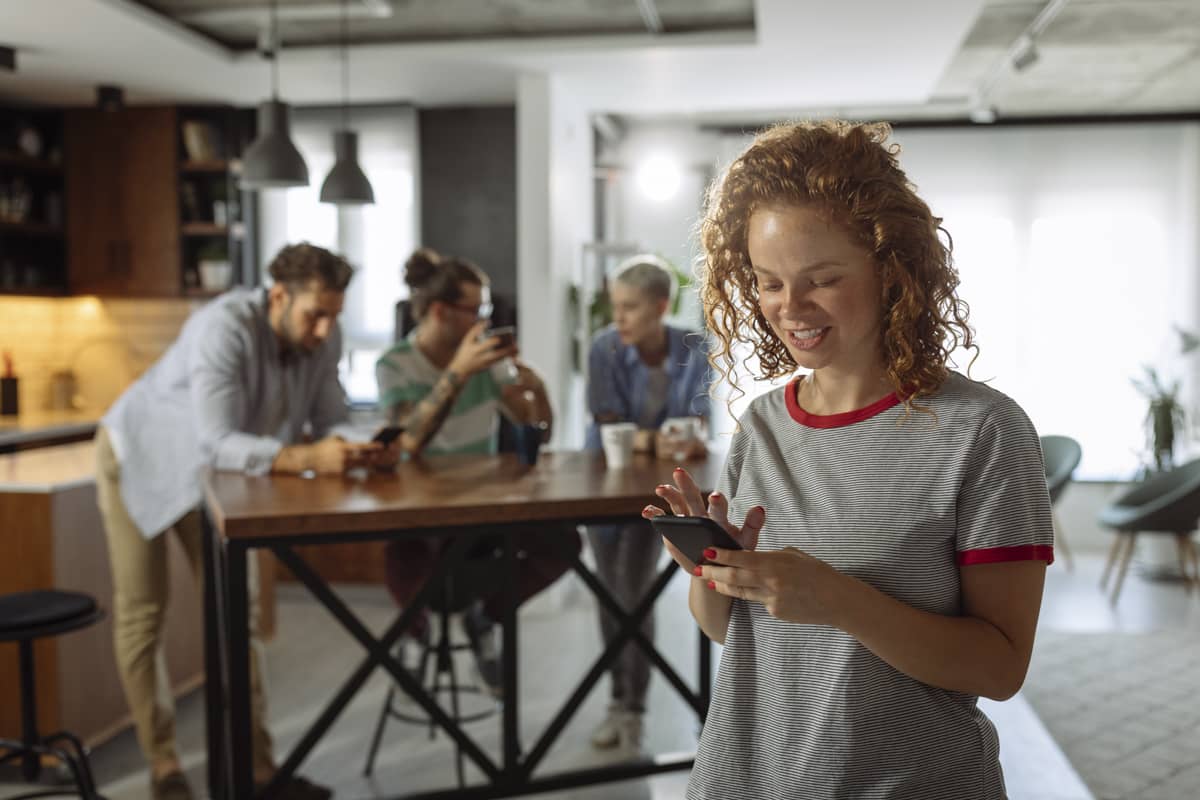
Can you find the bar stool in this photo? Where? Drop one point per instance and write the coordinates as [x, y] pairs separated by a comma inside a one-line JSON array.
[[24, 618], [469, 581]]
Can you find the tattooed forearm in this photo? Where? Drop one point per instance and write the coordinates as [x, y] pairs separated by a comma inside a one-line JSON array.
[[425, 419]]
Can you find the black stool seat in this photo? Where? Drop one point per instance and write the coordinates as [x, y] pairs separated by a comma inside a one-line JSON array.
[[24, 617], [30, 614]]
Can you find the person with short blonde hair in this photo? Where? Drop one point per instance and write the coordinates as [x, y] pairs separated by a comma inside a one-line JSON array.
[[644, 371]]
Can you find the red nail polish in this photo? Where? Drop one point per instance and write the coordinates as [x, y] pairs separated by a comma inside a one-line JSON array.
[[712, 584], [710, 554], [698, 571]]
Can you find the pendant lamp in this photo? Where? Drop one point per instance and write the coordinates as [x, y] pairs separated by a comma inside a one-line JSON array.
[[346, 184], [272, 160]]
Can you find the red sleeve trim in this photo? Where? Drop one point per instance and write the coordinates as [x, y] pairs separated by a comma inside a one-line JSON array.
[[994, 555]]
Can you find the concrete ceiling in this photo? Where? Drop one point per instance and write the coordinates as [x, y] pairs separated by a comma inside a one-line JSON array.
[[709, 60], [236, 23]]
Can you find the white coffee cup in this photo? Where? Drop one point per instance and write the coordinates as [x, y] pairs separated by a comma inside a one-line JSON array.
[[617, 440]]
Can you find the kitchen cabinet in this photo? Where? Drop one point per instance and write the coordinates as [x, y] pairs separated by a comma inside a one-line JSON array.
[[122, 202]]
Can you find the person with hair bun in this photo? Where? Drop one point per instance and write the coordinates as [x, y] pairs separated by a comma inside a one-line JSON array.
[[892, 513], [445, 384], [643, 371]]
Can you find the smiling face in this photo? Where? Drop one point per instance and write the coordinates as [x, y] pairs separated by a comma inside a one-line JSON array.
[[818, 289]]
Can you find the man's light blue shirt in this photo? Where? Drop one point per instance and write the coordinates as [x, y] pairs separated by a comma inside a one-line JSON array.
[[617, 379], [224, 397]]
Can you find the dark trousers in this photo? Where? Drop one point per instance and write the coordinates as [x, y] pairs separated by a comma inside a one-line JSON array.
[[627, 561], [408, 563]]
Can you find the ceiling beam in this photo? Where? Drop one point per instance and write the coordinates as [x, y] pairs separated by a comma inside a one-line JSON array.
[[258, 15], [650, 17], [1021, 53]]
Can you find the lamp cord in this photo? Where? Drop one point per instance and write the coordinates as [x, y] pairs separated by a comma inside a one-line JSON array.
[[274, 54], [345, 70]]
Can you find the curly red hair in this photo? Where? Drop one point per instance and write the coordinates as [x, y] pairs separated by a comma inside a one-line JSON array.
[[849, 173]]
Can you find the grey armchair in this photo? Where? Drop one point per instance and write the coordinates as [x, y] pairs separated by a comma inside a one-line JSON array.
[[1060, 457], [1167, 503]]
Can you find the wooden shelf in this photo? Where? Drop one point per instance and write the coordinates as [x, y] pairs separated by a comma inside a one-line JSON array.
[[204, 229], [14, 161], [31, 228], [32, 291], [212, 166]]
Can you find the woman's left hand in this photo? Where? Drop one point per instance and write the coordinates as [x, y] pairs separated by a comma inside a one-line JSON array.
[[792, 585]]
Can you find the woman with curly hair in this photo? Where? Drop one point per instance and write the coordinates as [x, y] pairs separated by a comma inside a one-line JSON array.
[[893, 513]]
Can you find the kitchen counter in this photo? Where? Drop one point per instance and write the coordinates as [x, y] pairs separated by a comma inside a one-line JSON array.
[[39, 428], [54, 539], [48, 469]]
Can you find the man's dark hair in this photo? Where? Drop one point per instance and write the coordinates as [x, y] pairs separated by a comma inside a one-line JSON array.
[[432, 276], [298, 265]]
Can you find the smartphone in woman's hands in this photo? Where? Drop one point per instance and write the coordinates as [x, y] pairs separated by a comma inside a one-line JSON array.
[[694, 535]]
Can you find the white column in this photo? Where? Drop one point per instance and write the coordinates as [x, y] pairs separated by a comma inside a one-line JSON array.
[[554, 219]]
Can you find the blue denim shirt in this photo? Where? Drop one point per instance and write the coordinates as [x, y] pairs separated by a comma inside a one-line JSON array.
[[617, 379]]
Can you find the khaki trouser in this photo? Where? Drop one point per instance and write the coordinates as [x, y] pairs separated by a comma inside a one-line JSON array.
[[140, 594]]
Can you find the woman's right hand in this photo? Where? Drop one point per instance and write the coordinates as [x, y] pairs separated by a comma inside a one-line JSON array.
[[685, 499], [475, 354]]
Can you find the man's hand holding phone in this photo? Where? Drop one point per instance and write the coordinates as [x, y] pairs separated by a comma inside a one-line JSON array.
[[476, 353], [505, 336]]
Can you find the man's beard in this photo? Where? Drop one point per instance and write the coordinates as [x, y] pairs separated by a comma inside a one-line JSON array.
[[293, 345]]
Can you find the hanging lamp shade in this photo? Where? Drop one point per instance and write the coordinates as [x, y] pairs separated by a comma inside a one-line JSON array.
[[272, 161], [346, 184]]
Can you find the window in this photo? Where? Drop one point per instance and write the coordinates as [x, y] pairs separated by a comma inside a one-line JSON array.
[[375, 238], [1076, 247]]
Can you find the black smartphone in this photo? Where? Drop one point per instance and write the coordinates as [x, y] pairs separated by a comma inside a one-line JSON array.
[[388, 435], [692, 535], [507, 335]]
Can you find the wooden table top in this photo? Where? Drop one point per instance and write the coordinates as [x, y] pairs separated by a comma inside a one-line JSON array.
[[444, 491]]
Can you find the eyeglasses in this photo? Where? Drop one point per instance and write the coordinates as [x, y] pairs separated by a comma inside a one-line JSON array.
[[481, 311]]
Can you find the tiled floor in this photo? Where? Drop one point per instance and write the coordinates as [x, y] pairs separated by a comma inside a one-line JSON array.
[[1117, 686], [311, 652]]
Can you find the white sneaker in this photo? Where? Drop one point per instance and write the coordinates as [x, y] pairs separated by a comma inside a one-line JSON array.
[[630, 731], [608, 733]]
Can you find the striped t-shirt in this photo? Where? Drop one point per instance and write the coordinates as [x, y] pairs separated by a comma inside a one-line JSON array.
[[806, 711], [405, 375]]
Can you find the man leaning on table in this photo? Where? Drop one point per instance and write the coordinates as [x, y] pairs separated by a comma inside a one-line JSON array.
[[248, 373]]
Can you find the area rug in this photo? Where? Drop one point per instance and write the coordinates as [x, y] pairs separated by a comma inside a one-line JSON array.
[[1124, 708]]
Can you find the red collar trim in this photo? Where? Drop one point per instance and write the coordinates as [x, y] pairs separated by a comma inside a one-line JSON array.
[[834, 420]]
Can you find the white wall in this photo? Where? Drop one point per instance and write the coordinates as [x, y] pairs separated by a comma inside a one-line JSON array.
[[554, 220]]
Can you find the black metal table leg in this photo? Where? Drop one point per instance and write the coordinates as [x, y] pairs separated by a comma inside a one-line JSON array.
[[214, 680], [238, 628], [512, 744]]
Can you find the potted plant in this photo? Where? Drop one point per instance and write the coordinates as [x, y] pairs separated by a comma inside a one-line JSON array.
[[1164, 418], [213, 265]]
